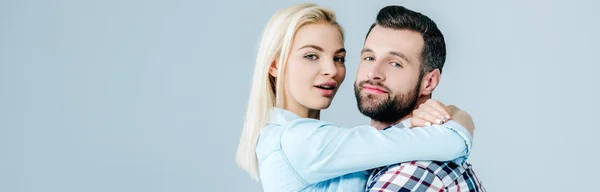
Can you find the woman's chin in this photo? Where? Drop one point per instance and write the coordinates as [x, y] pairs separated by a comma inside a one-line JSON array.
[[321, 105]]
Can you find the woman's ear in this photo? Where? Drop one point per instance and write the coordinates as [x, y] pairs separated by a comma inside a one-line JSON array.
[[273, 70]]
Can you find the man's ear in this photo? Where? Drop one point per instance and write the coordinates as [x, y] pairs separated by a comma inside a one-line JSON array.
[[273, 70], [430, 81]]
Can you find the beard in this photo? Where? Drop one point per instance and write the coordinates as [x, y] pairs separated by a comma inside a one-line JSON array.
[[391, 108]]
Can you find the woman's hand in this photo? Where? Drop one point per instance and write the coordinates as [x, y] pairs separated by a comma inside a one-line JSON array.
[[430, 112], [434, 112]]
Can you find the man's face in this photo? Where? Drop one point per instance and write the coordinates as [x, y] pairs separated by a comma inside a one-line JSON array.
[[388, 79]]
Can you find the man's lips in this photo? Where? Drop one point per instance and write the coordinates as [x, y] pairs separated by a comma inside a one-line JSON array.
[[374, 89]]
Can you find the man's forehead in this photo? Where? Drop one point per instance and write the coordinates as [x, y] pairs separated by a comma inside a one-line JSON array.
[[383, 39]]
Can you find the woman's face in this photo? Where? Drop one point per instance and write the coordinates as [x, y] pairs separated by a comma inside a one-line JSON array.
[[315, 67]]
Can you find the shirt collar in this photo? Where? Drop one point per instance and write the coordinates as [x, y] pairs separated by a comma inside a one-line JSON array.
[[280, 116], [402, 124]]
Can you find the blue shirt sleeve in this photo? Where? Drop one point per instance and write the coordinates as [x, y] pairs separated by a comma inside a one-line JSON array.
[[320, 151]]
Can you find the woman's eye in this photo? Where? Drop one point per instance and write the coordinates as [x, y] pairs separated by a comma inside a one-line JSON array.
[[311, 57]]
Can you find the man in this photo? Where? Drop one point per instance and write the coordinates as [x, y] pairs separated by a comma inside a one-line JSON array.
[[401, 64]]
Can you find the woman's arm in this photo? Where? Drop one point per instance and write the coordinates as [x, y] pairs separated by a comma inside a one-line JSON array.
[[319, 151]]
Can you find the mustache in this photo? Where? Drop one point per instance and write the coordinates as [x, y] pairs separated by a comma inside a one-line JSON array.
[[378, 84]]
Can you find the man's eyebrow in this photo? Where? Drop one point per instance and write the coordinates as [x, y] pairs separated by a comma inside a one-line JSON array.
[[398, 54], [365, 50]]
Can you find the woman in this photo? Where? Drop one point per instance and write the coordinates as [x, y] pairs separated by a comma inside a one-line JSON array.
[[299, 67]]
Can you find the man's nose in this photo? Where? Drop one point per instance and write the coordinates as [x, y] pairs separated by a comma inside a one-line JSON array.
[[375, 72]]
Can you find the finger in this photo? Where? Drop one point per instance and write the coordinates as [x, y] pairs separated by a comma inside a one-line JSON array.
[[440, 109], [418, 122], [433, 112], [445, 107], [429, 117]]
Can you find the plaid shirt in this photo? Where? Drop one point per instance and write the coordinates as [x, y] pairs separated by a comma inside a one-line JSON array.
[[424, 176]]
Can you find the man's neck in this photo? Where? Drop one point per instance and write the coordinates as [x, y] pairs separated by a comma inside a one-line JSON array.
[[382, 125]]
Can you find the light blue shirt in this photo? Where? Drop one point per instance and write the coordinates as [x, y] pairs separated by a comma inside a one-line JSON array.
[[303, 154]]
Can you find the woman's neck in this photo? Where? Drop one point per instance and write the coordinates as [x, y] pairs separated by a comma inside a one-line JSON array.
[[303, 112]]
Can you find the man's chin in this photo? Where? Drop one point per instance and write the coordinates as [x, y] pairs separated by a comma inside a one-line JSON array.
[[368, 106], [371, 96], [372, 100]]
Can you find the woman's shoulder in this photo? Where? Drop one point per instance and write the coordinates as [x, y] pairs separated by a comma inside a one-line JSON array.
[[269, 140]]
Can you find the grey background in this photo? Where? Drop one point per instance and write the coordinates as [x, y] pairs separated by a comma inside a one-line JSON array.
[[150, 95]]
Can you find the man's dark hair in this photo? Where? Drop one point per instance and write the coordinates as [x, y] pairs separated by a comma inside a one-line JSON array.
[[397, 17]]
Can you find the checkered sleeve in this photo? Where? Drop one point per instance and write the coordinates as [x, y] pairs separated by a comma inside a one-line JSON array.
[[405, 177]]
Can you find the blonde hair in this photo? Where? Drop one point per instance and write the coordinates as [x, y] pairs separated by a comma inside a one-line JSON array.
[[274, 46]]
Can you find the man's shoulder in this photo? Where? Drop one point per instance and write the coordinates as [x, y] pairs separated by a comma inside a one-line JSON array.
[[422, 176], [439, 168], [408, 176]]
